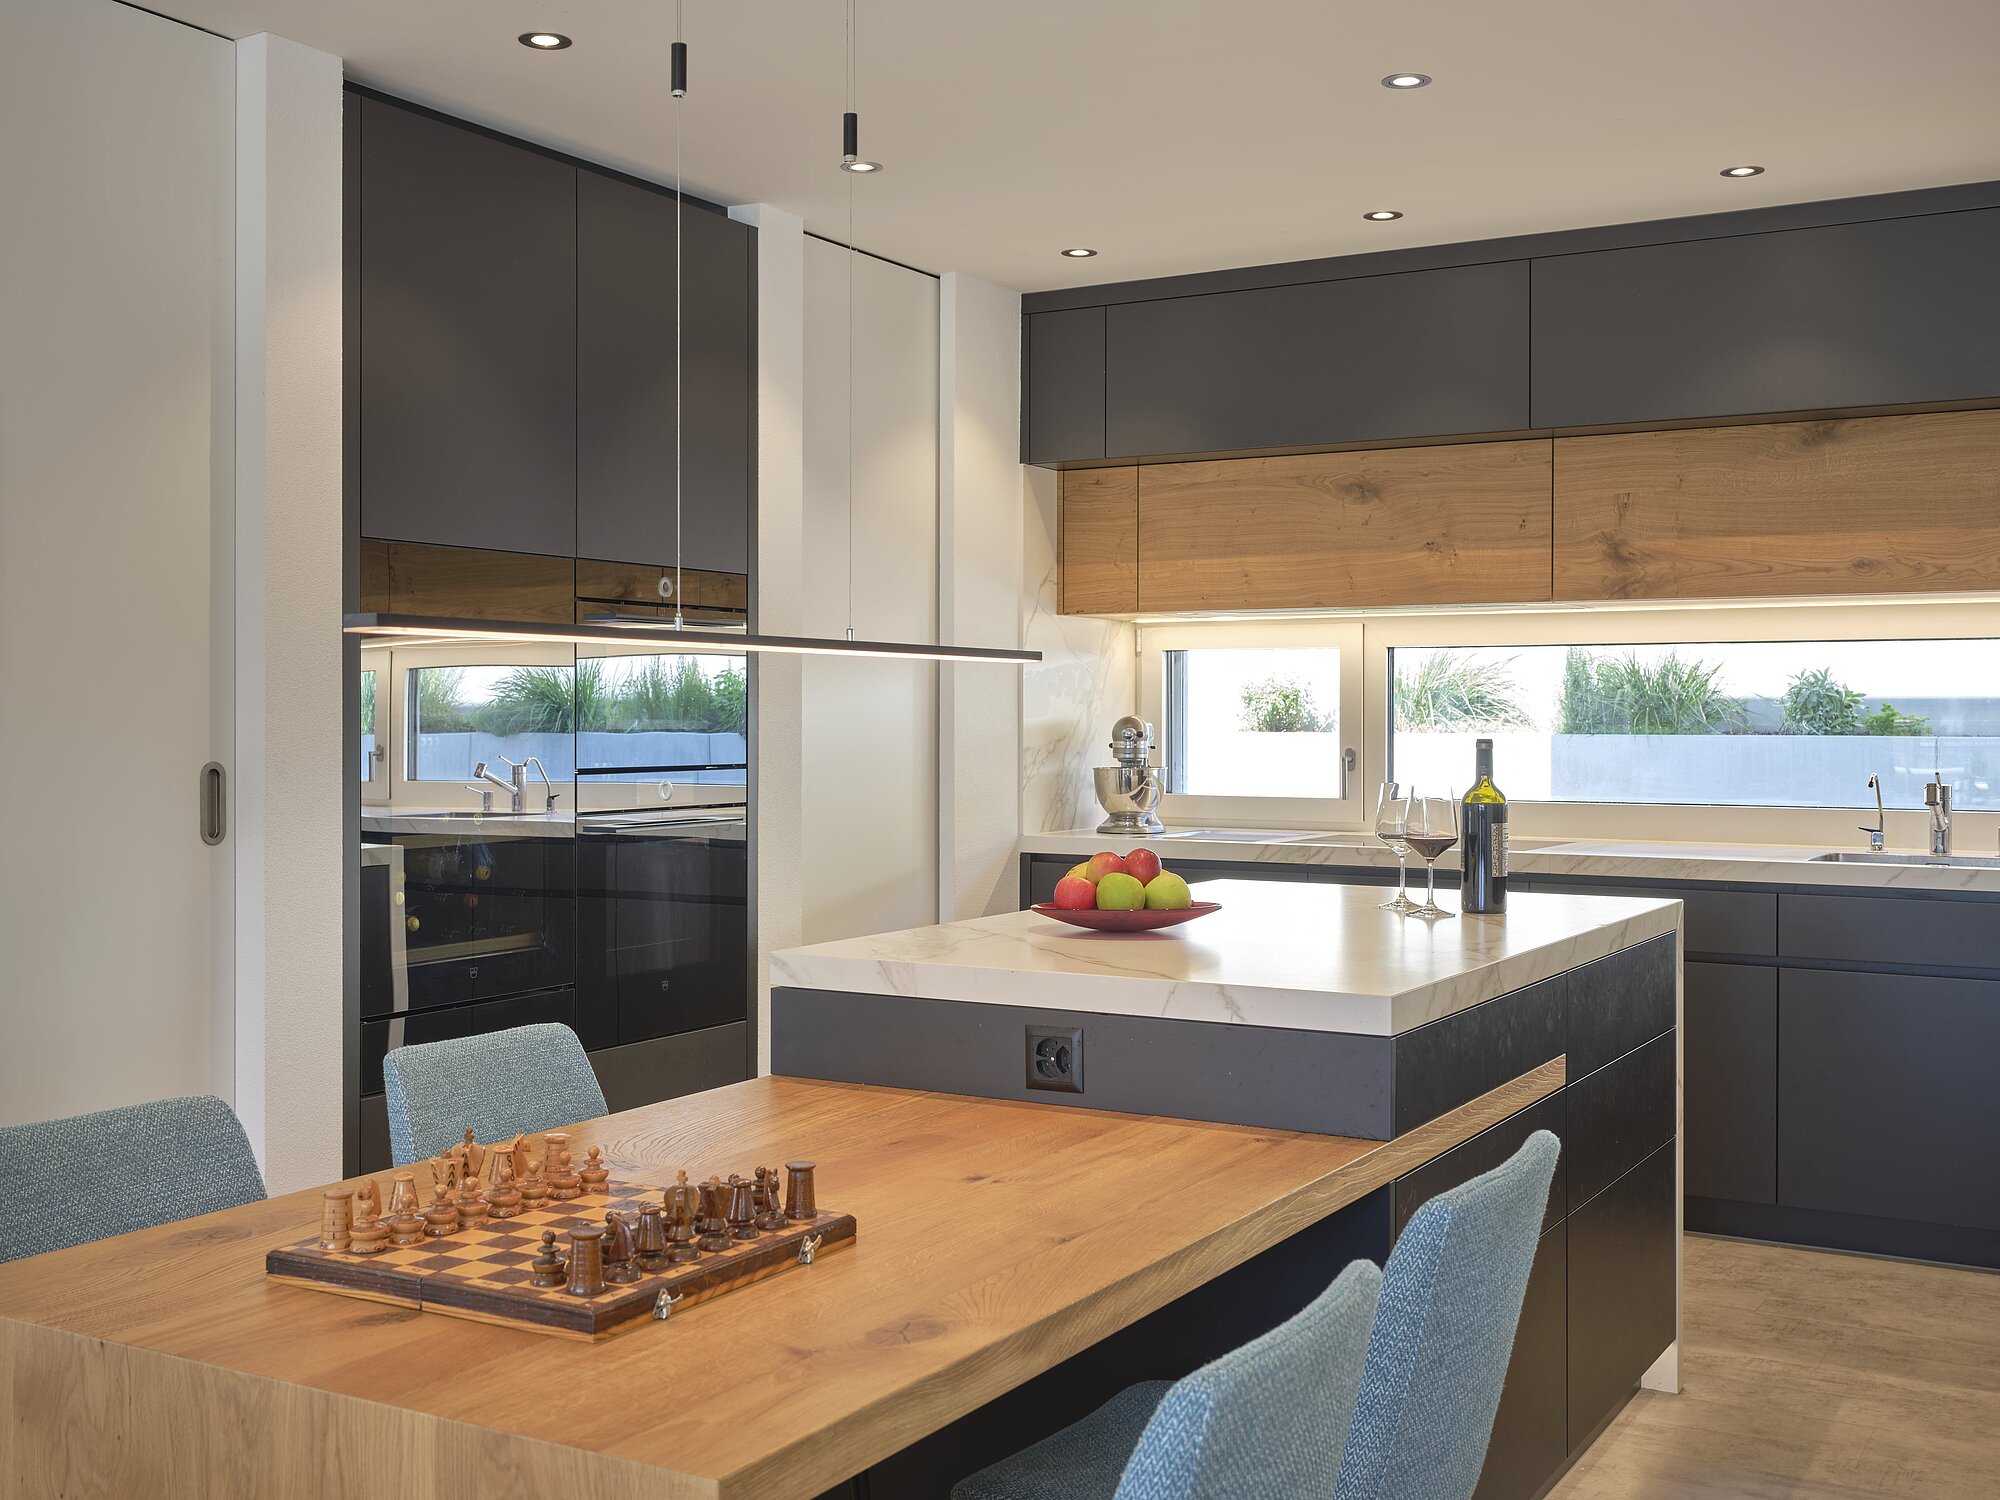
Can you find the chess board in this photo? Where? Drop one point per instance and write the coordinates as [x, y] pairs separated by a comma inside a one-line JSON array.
[[482, 1273]]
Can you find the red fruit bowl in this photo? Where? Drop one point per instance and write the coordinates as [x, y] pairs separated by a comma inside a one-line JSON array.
[[1125, 921]]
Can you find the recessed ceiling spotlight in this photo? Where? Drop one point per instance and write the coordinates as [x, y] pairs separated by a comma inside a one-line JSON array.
[[1382, 215], [544, 41], [1741, 171], [1406, 80], [1078, 252]]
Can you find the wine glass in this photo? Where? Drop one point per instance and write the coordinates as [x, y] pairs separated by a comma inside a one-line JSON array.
[[1392, 808], [1431, 828]]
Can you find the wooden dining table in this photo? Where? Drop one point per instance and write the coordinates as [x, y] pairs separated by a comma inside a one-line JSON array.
[[996, 1240]]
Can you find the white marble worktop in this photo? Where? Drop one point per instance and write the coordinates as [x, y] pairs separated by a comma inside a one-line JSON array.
[[1306, 957], [1750, 864]]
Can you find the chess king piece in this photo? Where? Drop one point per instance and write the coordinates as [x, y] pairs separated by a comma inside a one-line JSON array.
[[680, 1212], [503, 1199], [586, 1260], [367, 1200], [620, 1258], [770, 1212], [441, 1218], [799, 1205], [714, 1217], [548, 1268], [742, 1208], [336, 1218], [406, 1225], [595, 1174]]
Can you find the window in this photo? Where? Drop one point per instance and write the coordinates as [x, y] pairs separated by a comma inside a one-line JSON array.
[[1733, 723], [370, 752], [458, 716], [684, 718], [1257, 722]]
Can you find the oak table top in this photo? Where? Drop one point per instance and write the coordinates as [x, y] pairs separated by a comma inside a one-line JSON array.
[[996, 1240]]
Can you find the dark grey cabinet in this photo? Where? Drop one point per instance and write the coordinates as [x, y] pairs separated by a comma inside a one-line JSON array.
[[625, 379], [1371, 358], [1852, 315], [467, 354], [1887, 1089], [1528, 1443], [1622, 1296], [1063, 361], [1730, 1102]]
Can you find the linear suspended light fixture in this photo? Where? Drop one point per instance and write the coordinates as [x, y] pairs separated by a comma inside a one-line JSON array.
[[674, 639]]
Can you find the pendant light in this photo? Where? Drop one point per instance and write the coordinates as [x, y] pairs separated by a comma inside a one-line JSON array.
[[683, 636]]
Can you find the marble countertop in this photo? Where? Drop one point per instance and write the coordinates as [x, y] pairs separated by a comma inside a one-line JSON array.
[[1315, 957], [1751, 864]]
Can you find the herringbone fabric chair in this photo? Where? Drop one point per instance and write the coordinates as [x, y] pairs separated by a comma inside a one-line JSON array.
[[497, 1085]]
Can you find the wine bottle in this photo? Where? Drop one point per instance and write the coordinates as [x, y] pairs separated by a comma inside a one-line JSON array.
[[1482, 881]]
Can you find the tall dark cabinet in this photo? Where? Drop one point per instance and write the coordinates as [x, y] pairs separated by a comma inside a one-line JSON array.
[[468, 358], [625, 379]]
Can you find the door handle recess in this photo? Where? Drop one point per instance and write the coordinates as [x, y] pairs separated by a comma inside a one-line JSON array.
[[214, 802]]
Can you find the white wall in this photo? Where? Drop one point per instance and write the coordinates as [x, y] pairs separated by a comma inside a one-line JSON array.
[[868, 846], [115, 413]]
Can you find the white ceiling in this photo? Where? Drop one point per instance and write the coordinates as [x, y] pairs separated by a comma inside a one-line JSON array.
[[1175, 136]]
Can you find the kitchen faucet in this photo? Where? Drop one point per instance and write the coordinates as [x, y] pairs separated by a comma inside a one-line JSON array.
[[516, 787], [1937, 797], [1875, 833]]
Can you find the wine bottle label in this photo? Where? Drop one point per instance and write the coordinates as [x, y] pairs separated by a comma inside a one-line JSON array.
[[1500, 847]]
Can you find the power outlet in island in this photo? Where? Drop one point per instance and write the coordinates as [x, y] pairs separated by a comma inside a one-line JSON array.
[[1055, 1058]]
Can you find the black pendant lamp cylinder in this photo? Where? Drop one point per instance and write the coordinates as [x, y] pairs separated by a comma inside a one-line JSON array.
[[850, 136], [680, 70]]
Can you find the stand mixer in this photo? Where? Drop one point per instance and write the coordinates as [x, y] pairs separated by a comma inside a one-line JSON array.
[[1130, 790]]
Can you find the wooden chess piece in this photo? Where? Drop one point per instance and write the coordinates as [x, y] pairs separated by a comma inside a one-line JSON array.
[[406, 1225], [649, 1240], [370, 1235], [472, 1207], [474, 1156], [586, 1260], [620, 1257], [441, 1218], [770, 1212], [503, 1199], [444, 1171], [742, 1208], [799, 1205], [564, 1184], [336, 1218], [548, 1268], [367, 1200], [680, 1212], [595, 1174], [714, 1218], [535, 1188]]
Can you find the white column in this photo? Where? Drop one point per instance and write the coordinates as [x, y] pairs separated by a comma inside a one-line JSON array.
[[288, 804], [777, 749], [980, 538]]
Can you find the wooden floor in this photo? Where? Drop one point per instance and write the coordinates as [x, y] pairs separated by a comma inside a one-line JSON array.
[[1810, 1376]]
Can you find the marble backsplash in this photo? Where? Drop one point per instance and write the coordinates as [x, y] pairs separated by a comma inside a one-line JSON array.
[[1087, 677]]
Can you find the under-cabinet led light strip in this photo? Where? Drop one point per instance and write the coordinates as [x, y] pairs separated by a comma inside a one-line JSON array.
[[688, 640]]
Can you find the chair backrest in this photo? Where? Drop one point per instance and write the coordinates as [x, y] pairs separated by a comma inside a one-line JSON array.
[[497, 1085], [69, 1181], [1444, 1328], [1267, 1419]]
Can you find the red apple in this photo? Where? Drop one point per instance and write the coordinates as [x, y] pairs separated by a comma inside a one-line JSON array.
[[1142, 865], [1074, 893], [1102, 865]]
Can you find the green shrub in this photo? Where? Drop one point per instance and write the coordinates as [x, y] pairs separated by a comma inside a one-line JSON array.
[[1448, 690], [1621, 694], [1814, 703], [1888, 719], [1282, 705], [441, 701]]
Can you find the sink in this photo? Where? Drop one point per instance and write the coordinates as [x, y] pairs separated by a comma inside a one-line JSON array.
[[1898, 857]]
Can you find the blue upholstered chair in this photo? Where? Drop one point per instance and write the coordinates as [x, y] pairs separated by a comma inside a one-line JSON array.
[[1265, 1420], [67, 1182], [498, 1085], [1444, 1329]]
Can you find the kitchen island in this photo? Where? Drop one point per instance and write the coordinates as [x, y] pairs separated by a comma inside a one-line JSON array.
[[1309, 1008]]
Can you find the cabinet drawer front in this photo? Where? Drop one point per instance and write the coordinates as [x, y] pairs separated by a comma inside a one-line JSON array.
[[1619, 1115], [1734, 922], [1729, 1040], [1885, 1089], [1482, 1153], [1619, 1001], [1892, 930], [1621, 1289], [1529, 1430]]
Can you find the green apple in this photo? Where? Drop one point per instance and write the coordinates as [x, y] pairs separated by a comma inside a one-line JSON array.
[[1121, 893], [1165, 892]]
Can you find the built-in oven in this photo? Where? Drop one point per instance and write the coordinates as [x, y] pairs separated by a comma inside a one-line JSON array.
[[662, 922]]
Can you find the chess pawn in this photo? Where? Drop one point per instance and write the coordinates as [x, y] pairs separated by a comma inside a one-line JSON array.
[[714, 1217], [595, 1174], [336, 1218], [370, 1236], [367, 1200], [742, 1208], [548, 1268], [535, 1187], [799, 1205], [503, 1199], [472, 1209], [586, 1260], [441, 1218], [620, 1257], [564, 1181], [771, 1213], [405, 1224]]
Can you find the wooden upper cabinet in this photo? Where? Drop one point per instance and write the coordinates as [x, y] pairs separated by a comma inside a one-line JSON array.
[[1873, 505], [1098, 542], [1459, 524]]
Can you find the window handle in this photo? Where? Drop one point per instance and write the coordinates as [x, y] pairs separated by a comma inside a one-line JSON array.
[[1350, 759]]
